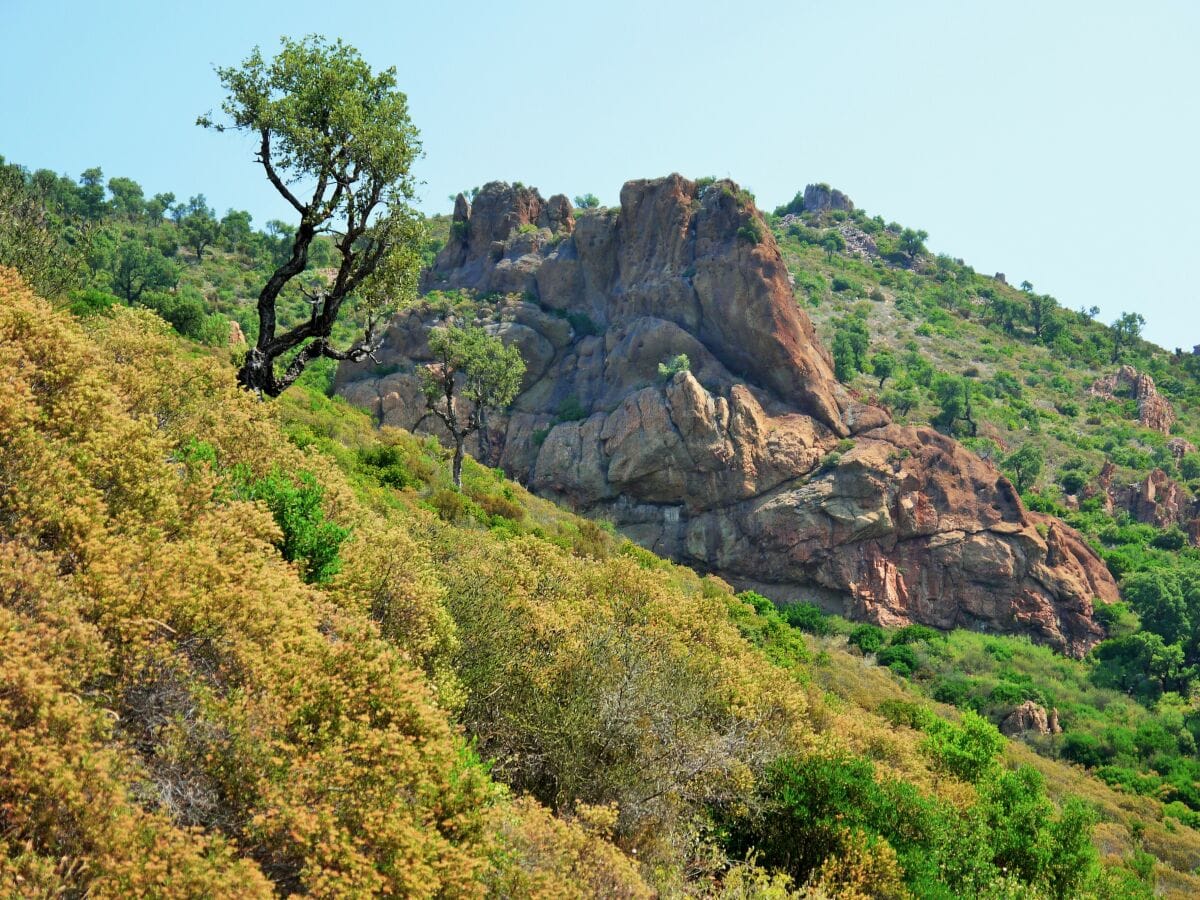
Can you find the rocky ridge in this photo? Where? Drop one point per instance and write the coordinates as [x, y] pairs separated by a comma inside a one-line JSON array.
[[753, 462]]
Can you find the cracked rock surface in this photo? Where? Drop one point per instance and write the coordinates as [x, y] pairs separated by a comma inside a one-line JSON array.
[[754, 463]]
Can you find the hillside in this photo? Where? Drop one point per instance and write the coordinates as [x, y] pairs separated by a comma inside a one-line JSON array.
[[256, 635], [216, 610]]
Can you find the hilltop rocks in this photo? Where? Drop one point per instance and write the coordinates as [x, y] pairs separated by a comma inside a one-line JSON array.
[[1154, 411], [821, 197], [753, 463]]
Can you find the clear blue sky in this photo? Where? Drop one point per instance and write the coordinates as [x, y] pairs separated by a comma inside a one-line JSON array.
[[1053, 141]]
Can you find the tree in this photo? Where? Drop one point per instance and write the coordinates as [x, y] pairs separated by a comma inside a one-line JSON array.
[[901, 399], [883, 364], [136, 269], [850, 343], [472, 366], [1027, 286], [198, 225], [46, 248], [128, 201], [1125, 331], [325, 121], [157, 206], [913, 242], [235, 229], [1005, 312], [587, 201], [953, 395], [1041, 311], [91, 194], [1157, 598], [833, 243], [1024, 465]]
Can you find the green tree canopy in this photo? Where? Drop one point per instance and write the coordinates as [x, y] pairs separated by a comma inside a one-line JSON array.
[[1024, 465], [883, 365], [335, 140], [198, 225], [475, 367]]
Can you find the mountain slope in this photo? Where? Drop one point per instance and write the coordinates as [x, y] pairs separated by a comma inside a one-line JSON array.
[[244, 643]]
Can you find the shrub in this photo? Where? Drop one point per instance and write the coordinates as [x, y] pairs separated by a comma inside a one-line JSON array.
[[675, 365], [570, 410], [867, 638], [807, 617], [308, 539], [1171, 538], [911, 634], [499, 505], [389, 467], [1189, 466], [1073, 481], [453, 506], [750, 232], [582, 324], [901, 659], [968, 750], [92, 302]]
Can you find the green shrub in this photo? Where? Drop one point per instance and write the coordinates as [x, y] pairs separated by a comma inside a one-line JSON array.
[[677, 364], [92, 302], [582, 324], [911, 634], [867, 638], [750, 232], [571, 410], [308, 539], [807, 617], [967, 751], [901, 659], [388, 465]]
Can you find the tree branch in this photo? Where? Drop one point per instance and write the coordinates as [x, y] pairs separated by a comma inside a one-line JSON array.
[[264, 156]]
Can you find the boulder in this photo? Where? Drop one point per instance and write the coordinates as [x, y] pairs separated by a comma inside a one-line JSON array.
[[1030, 718], [752, 462]]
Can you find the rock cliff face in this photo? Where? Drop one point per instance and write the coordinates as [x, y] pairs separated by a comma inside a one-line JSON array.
[[754, 462]]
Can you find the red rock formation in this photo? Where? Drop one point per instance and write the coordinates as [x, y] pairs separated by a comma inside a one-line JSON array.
[[1155, 500], [1154, 411], [755, 463]]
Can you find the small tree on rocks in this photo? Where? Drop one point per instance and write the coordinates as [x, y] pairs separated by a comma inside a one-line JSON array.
[[473, 366]]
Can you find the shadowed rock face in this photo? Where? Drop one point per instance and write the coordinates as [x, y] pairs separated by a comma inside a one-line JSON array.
[[755, 463]]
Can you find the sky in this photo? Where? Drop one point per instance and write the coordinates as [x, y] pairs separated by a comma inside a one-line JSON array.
[[1053, 141]]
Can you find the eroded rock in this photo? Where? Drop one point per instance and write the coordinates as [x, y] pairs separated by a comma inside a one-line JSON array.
[[754, 463], [1030, 718], [1154, 410]]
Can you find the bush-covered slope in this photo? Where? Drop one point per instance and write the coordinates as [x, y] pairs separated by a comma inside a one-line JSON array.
[[254, 648]]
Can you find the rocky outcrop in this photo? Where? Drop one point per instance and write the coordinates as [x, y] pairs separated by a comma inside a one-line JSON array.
[[1030, 718], [754, 463], [821, 198], [1154, 411], [1157, 499]]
